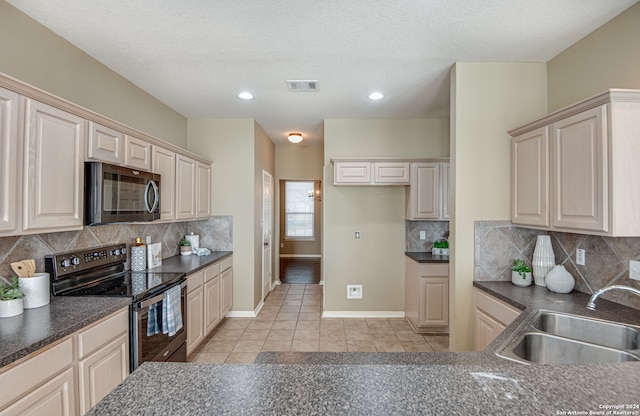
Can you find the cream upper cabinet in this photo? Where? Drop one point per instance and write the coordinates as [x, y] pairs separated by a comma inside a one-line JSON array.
[[428, 195], [10, 164], [105, 144], [185, 187], [585, 172], [164, 163], [203, 190], [529, 178], [427, 296], [53, 173], [370, 172], [137, 153], [392, 173], [352, 173], [492, 317]]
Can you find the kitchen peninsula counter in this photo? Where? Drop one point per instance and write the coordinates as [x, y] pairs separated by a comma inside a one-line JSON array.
[[426, 257], [453, 383]]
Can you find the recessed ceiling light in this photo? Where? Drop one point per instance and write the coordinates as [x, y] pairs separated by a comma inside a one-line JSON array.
[[245, 95], [376, 96], [295, 137]]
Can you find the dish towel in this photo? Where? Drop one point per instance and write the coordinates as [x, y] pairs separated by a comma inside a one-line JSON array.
[[171, 311], [153, 326]]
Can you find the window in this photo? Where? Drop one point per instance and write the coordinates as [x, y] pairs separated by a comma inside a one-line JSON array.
[[298, 210]]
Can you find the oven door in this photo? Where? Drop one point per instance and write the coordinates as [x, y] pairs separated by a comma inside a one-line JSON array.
[[148, 342], [118, 194]]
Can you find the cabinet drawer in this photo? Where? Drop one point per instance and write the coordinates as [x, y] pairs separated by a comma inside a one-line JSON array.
[[501, 311], [211, 272], [226, 263], [100, 333], [433, 269], [22, 378], [195, 281]]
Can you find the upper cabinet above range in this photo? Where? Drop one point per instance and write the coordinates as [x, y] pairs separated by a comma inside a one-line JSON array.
[[575, 170]]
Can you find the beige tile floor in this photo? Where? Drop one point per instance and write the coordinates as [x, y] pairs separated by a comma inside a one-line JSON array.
[[290, 321]]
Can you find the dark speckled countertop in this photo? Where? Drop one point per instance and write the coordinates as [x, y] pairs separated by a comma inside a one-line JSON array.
[[426, 257], [36, 328], [452, 383]]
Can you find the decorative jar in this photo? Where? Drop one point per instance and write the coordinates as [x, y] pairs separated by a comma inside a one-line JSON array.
[[543, 259], [559, 280]]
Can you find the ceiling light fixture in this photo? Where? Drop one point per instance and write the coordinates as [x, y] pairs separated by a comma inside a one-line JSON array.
[[376, 96], [245, 95], [295, 137]]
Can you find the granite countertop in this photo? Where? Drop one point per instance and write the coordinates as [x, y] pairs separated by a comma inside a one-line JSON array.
[[426, 257], [36, 328], [455, 383]]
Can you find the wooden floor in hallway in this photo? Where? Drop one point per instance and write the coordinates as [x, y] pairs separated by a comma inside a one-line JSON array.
[[300, 270]]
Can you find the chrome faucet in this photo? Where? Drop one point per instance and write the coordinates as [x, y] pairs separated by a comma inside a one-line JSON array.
[[592, 302]]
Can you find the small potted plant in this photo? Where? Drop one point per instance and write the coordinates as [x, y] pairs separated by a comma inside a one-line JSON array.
[[441, 247], [10, 298], [520, 273], [185, 247]]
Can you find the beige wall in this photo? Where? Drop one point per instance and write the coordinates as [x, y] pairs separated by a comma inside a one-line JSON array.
[[33, 54], [298, 162], [230, 144], [376, 260], [607, 58], [487, 99]]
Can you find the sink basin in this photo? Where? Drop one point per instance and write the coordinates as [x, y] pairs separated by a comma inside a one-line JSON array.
[[608, 334], [549, 349]]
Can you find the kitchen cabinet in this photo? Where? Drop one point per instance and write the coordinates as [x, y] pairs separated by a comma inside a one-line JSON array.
[[427, 296], [195, 308], [572, 170], [105, 144], [137, 153], [10, 164], [427, 198], [226, 280], [212, 309], [54, 170], [371, 172], [103, 358], [43, 384], [491, 318], [203, 190], [164, 163], [185, 187]]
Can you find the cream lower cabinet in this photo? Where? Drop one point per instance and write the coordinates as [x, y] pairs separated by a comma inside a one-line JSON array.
[[195, 309], [226, 280], [427, 296], [492, 317]]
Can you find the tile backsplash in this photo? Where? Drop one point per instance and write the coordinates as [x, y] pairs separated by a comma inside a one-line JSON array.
[[215, 234], [498, 243], [432, 229]]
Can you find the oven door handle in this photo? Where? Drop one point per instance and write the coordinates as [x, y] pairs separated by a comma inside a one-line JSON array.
[[148, 302]]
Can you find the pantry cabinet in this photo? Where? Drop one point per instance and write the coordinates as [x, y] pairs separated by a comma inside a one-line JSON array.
[[54, 171], [10, 163], [491, 318], [572, 171], [428, 196], [427, 296], [105, 144]]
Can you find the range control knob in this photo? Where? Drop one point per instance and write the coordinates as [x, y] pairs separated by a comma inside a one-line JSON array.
[[75, 261], [123, 251], [65, 263], [115, 252]]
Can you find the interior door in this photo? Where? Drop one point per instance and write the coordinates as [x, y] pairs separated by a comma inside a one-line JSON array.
[[267, 231]]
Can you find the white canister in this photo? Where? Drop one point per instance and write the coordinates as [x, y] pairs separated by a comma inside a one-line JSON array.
[[194, 239], [36, 290], [138, 258]]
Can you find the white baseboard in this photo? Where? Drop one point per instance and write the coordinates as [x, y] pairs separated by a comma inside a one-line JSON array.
[[293, 256], [321, 282], [276, 283], [240, 314], [363, 314]]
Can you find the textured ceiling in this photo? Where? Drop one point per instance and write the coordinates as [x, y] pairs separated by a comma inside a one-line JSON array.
[[197, 55]]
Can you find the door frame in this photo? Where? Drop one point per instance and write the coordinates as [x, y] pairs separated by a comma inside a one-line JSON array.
[[267, 232]]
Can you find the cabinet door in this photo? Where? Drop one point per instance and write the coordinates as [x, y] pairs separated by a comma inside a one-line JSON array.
[[10, 164], [105, 144], [137, 154], [530, 178], [195, 322], [203, 192], [164, 163], [185, 187], [102, 371], [212, 307], [425, 191], [446, 170], [579, 171], [389, 173], [352, 173], [487, 329], [226, 278], [54, 398], [54, 174], [435, 301]]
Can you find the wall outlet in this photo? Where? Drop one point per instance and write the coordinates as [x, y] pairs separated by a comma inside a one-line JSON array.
[[580, 256], [634, 270], [423, 235], [357, 235], [354, 291]]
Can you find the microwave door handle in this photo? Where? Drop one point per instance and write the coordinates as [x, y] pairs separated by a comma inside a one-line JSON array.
[[151, 185]]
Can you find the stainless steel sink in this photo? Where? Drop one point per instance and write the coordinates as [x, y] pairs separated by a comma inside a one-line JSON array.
[[557, 338], [609, 334]]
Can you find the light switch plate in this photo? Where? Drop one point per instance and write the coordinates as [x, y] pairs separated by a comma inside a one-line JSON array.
[[423, 235], [634, 270], [580, 257]]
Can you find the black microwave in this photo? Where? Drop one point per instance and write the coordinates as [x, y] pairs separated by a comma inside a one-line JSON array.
[[118, 194]]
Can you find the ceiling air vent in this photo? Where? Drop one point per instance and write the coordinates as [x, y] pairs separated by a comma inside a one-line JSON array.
[[302, 85]]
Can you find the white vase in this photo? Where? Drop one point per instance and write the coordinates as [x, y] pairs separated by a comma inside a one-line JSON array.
[[518, 280], [9, 308], [543, 259], [559, 280], [36, 290]]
